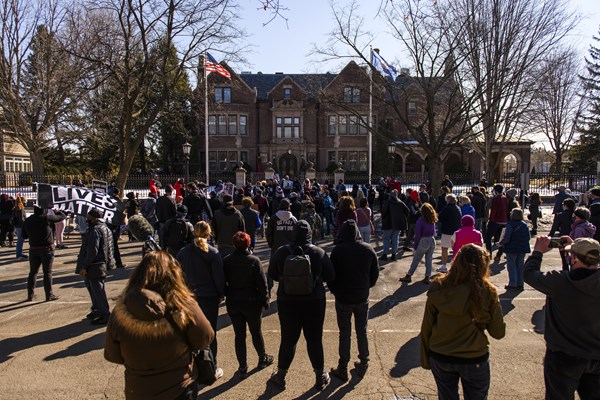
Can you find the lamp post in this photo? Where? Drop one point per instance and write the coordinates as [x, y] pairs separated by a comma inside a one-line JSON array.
[[187, 148], [391, 152]]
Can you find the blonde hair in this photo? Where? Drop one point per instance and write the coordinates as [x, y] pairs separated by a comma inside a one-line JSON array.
[[346, 203], [202, 232], [20, 202], [464, 200]]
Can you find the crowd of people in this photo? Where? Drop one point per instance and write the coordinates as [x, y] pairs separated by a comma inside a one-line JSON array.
[[172, 299]]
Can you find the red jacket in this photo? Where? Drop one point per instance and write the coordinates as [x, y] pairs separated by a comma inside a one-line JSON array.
[[499, 209]]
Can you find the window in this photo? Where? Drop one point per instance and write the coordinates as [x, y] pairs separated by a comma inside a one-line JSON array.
[[287, 93], [227, 125], [412, 107], [351, 160], [342, 125], [331, 157], [287, 127], [222, 95], [348, 125], [331, 126], [351, 95], [353, 125], [244, 157]]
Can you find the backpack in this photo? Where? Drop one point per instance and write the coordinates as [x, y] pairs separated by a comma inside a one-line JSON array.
[[178, 233], [297, 273]]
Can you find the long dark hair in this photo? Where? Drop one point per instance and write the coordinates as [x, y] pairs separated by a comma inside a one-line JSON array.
[[471, 265]]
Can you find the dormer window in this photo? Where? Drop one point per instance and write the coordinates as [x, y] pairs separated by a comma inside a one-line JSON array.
[[223, 95], [351, 95], [287, 93]]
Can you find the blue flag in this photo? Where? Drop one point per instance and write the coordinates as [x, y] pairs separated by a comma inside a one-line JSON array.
[[383, 67]]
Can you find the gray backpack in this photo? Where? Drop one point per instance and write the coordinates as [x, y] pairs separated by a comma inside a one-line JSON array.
[[297, 273]]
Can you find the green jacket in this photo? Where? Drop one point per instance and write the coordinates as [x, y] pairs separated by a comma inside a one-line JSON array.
[[448, 328]]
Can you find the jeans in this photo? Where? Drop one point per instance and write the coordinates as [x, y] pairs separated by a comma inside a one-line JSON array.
[[514, 265], [210, 308], [344, 314], [298, 316], [493, 230], [565, 374], [479, 224], [242, 313], [365, 233], [45, 259], [20, 241], [97, 293], [390, 235], [475, 379], [328, 218], [425, 248]]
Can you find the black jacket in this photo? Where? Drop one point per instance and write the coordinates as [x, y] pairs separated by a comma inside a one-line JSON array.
[[97, 248], [250, 220], [203, 271], [227, 222], [561, 225], [196, 203], [321, 267], [449, 219], [478, 202], [595, 219], [394, 214], [165, 208], [245, 279], [38, 228], [280, 229], [355, 266]]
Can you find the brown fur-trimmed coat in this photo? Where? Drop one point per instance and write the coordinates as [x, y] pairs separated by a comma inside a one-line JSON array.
[[157, 359]]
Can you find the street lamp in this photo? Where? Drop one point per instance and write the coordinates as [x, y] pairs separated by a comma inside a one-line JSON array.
[[187, 148], [391, 152]]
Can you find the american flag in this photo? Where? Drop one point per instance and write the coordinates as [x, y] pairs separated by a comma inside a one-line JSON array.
[[211, 65]]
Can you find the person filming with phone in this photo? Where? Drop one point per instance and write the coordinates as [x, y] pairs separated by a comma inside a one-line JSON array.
[[572, 326]]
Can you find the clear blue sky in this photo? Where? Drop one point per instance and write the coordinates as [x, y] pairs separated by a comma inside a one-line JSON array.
[[281, 48]]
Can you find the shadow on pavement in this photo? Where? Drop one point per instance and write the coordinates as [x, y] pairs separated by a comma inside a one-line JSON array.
[[407, 358], [403, 293], [538, 320], [497, 267], [95, 342], [10, 346], [506, 299]]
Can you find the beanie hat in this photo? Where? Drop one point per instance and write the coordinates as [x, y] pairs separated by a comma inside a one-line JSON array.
[[512, 193], [498, 188], [467, 220]]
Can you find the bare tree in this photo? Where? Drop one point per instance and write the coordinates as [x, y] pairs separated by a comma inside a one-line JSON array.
[[39, 81], [557, 103], [504, 44]]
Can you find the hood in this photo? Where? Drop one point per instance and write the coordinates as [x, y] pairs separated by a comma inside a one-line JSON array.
[[587, 227], [467, 220], [302, 232], [452, 301], [284, 215], [228, 209], [145, 305], [349, 232], [590, 285]]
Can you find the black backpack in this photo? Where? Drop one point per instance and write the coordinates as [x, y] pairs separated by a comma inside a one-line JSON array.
[[178, 234], [297, 273]]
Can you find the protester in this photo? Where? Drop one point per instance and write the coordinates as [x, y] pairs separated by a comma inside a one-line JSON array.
[[365, 220], [203, 271], [295, 205], [165, 209], [449, 219], [394, 214], [177, 232], [559, 199], [38, 229], [133, 207], [535, 212], [516, 245], [148, 210], [460, 306], [252, 221], [314, 220], [466, 208], [581, 226], [447, 182], [561, 226], [466, 234], [247, 296], [95, 258], [197, 205], [356, 270], [572, 360], [301, 312], [227, 221], [424, 243], [280, 230], [19, 216], [59, 231], [498, 218], [413, 204], [7, 206], [154, 327], [478, 201]]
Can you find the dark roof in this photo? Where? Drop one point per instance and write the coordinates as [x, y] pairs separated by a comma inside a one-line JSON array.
[[264, 83]]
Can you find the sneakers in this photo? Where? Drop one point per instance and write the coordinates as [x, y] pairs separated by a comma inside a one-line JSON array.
[[101, 320], [92, 315], [322, 380], [442, 269], [218, 373], [426, 280], [52, 297], [340, 373], [22, 257], [30, 297], [361, 368], [265, 361], [383, 257], [407, 278], [278, 379]]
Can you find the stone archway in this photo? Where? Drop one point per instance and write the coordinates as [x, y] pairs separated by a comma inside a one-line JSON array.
[[288, 165]]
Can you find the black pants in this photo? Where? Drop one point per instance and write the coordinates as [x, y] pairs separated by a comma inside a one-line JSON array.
[[301, 316], [565, 374], [6, 229], [242, 313], [45, 259], [116, 252], [493, 231], [190, 393], [210, 308]]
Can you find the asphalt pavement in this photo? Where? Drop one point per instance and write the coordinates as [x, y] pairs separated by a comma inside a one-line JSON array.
[[48, 350]]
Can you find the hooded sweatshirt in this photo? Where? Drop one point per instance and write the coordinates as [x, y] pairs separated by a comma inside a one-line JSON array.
[[227, 222], [321, 268], [156, 356], [448, 331], [280, 229], [355, 266], [572, 301], [394, 214], [466, 234], [582, 229]]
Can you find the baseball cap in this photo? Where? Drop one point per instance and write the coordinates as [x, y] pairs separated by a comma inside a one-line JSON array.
[[585, 247]]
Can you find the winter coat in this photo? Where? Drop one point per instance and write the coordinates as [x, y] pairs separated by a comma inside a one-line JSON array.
[[245, 279], [355, 266], [516, 238], [449, 219], [203, 271], [197, 203], [251, 221], [156, 357], [165, 208], [582, 229], [394, 214], [468, 209], [595, 218], [562, 223], [280, 229], [499, 212], [226, 223], [448, 329], [466, 235], [479, 204]]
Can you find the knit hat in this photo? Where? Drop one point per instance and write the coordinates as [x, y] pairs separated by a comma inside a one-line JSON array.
[[414, 195], [467, 220], [227, 199], [498, 188], [585, 247], [182, 211], [512, 193]]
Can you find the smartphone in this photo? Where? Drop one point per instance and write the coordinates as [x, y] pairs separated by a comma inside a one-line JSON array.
[[556, 243]]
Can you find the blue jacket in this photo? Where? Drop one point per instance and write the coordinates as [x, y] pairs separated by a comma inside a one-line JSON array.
[[516, 238], [467, 209]]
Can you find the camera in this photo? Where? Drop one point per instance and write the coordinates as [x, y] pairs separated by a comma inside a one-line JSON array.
[[557, 243]]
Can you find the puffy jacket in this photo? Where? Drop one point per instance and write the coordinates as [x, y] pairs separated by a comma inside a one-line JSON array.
[[226, 223], [449, 219], [245, 279], [394, 214], [516, 238], [582, 229], [466, 235], [203, 270]]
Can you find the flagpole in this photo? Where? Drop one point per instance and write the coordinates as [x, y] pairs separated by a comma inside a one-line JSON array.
[[371, 115], [205, 119]]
